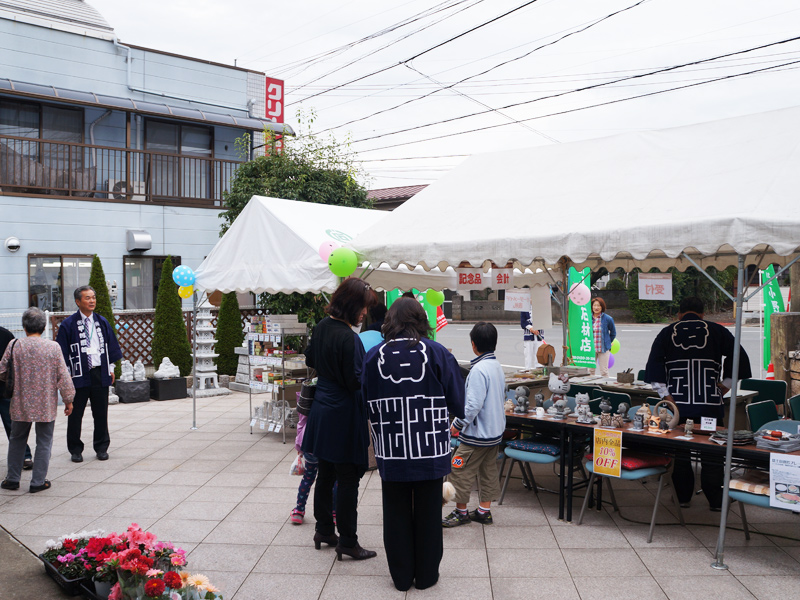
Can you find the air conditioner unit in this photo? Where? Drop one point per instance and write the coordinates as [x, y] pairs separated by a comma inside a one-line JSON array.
[[120, 189]]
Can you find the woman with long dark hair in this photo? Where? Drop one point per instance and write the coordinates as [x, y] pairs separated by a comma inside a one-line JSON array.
[[336, 432], [410, 384]]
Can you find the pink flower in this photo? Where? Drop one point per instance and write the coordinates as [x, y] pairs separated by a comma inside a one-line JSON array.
[[178, 559], [153, 573], [115, 593]]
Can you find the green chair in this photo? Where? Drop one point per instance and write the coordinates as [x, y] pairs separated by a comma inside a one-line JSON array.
[[640, 375], [759, 413], [767, 389], [616, 398], [580, 388], [794, 406]]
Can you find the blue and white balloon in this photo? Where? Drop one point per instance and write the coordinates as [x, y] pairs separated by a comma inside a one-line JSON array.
[[183, 276]]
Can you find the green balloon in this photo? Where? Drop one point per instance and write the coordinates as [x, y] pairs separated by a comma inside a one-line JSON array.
[[342, 262], [615, 346], [434, 297]]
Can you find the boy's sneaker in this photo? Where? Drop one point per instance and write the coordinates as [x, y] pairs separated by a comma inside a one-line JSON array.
[[485, 518], [297, 517], [454, 519]]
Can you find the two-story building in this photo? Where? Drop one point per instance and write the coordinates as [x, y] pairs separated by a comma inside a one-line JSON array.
[[111, 149]]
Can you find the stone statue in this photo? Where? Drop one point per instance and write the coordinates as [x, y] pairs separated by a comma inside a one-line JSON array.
[[521, 398], [605, 405], [663, 415], [538, 400], [167, 370], [582, 408], [127, 371], [622, 410], [688, 427], [509, 405], [638, 422], [138, 371], [605, 419]]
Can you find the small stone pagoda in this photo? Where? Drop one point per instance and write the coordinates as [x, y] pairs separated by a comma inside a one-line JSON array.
[[205, 380]]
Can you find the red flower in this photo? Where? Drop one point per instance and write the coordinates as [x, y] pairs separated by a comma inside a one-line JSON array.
[[69, 545], [154, 588], [173, 580]]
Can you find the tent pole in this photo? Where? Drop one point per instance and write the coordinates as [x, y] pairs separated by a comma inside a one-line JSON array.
[[723, 521], [565, 263], [194, 361]]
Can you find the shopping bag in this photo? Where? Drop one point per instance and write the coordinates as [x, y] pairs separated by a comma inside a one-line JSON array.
[[298, 466]]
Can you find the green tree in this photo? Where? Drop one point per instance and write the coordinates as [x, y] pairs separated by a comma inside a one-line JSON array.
[[169, 327], [97, 280], [310, 169], [230, 334]]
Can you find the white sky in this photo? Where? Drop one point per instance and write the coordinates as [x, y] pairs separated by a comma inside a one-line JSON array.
[[275, 37]]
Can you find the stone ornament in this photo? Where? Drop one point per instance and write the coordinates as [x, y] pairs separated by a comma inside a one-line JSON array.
[[138, 371], [127, 371], [167, 370], [688, 428]]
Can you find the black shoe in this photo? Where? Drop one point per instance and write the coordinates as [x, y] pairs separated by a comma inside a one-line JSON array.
[[38, 488], [102, 456], [356, 552], [9, 485], [331, 540], [27, 465], [455, 518], [715, 509], [485, 518], [77, 457]]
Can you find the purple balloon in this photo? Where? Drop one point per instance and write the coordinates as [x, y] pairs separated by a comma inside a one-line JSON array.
[[610, 360]]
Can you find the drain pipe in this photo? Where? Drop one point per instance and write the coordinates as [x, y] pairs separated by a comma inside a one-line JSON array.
[[91, 135], [248, 109]]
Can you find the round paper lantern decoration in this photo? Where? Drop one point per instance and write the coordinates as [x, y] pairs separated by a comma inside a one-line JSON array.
[[615, 346], [183, 276], [434, 297], [326, 248], [611, 361], [342, 262], [185, 291], [370, 339], [579, 294]]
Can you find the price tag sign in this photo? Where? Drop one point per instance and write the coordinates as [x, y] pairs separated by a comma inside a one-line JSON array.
[[272, 426], [278, 428], [252, 423], [708, 424], [607, 452], [261, 425]]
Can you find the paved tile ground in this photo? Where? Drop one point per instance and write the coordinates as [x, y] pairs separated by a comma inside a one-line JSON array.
[[225, 496]]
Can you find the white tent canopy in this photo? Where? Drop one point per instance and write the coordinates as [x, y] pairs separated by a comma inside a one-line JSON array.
[[714, 190], [273, 246]]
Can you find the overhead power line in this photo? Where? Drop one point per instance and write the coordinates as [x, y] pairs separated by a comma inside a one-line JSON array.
[[572, 110], [590, 87], [431, 49]]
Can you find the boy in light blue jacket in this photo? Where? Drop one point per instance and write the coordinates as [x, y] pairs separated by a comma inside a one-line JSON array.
[[480, 431]]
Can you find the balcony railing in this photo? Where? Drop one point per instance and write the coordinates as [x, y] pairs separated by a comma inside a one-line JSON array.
[[34, 167]]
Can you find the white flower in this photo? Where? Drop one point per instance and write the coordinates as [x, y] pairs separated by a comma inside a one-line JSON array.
[[52, 545]]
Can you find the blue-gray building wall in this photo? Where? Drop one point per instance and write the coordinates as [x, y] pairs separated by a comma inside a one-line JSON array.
[[53, 226]]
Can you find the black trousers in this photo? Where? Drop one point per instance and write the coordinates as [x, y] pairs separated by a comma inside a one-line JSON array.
[[98, 396], [348, 475], [412, 531], [712, 475]]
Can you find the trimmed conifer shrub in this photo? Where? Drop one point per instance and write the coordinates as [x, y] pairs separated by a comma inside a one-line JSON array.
[[97, 279], [169, 328], [230, 334]]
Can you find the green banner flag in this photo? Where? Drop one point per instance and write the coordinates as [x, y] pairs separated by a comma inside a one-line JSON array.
[[581, 340], [430, 310], [773, 302]]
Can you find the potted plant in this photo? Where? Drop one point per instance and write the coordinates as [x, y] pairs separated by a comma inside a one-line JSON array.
[[66, 562]]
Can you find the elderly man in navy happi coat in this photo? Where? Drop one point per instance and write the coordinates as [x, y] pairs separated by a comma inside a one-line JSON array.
[[90, 350]]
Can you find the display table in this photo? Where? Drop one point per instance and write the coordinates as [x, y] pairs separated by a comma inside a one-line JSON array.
[[168, 389]]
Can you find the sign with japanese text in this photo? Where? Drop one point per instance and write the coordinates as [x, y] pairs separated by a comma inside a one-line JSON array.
[[773, 302], [607, 453], [274, 99], [518, 300], [472, 279], [441, 320], [655, 286], [430, 310], [502, 279], [581, 338], [784, 481]]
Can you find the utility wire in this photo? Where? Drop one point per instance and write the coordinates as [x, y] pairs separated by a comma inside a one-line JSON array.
[[567, 111], [431, 49], [594, 86], [497, 66]]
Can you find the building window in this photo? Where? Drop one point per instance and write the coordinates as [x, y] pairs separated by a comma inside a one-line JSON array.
[[181, 169], [142, 277], [52, 280]]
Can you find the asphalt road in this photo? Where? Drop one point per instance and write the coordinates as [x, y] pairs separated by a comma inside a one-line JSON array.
[[635, 342]]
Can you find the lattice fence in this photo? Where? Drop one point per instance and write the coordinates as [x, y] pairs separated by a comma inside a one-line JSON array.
[[135, 330]]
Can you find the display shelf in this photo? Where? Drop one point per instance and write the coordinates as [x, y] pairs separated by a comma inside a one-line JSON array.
[[266, 368]]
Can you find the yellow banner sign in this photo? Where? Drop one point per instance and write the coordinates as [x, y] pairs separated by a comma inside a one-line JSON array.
[[607, 452]]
